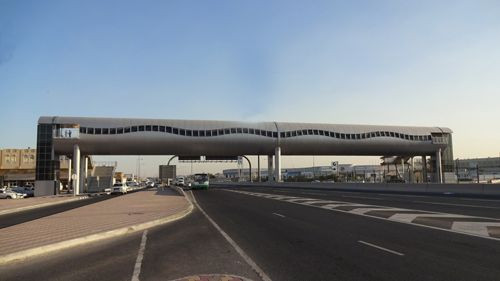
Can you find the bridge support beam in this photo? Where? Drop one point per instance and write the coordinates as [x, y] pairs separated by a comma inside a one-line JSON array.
[[83, 172], [269, 168], [424, 169], [439, 167], [76, 170], [277, 164], [258, 168]]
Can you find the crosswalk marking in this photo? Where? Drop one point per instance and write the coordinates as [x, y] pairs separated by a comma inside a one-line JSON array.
[[471, 225]]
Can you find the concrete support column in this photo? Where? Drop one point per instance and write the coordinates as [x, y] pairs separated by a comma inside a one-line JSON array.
[[258, 168], [439, 167], [424, 168], [277, 164], [76, 169], [83, 173], [70, 171], [269, 168], [412, 171], [403, 169]]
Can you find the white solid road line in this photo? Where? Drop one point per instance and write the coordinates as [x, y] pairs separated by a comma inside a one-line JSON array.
[[140, 256], [279, 215], [459, 205], [402, 195], [479, 228], [240, 251], [381, 248]]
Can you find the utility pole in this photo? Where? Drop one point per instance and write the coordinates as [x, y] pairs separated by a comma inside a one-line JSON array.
[[477, 172]]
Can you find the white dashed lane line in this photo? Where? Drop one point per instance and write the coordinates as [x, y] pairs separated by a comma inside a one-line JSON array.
[[381, 248], [279, 215]]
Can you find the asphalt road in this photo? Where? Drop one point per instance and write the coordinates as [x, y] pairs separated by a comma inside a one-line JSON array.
[[288, 241]]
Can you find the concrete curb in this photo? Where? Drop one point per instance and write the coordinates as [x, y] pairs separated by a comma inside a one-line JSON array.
[[25, 208], [16, 256]]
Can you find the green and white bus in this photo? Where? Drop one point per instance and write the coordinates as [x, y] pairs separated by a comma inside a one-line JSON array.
[[200, 181]]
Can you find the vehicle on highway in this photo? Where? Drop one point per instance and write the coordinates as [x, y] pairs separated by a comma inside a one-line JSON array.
[[9, 194], [180, 181], [200, 181], [120, 188]]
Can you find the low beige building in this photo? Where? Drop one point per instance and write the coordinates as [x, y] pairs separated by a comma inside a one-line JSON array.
[[17, 167]]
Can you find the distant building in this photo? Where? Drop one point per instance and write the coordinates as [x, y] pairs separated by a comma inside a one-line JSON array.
[[486, 168], [17, 166]]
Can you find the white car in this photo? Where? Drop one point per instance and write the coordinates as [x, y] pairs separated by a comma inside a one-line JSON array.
[[179, 181], [119, 187], [9, 194]]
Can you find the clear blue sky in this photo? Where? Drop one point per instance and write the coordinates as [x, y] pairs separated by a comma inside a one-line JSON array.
[[375, 62]]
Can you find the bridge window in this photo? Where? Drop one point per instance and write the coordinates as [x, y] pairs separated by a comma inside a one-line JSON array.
[[337, 135], [97, 131], [299, 133], [119, 131], [358, 136], [245, 130], [233, 130], [275, 134], [348, 136], [263, 133], [315, 132], [148, 128], [127, 130], [309, 132], [195, 133], [175, 131], [288, 134], [294, 133], [407, 137], [189, 133], [221, 132], [168, 129], [214, 133], [182, 132], [83, 130], [105, 131], [141, 128], [396, 135], [387, 134], [377, 134], [251, 131], [90, 131], [342, 136], [208, 133], [155, 128], [257, 131], [239, 130], [134, 128], [227, 131], [269, 133], [202, 133], [282, 134], [161, 128]]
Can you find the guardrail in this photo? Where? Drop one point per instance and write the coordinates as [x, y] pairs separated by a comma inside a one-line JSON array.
[[429, 188]]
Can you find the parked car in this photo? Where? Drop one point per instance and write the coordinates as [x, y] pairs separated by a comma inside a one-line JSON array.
[[28, 190], [120, 188], [9, 194]]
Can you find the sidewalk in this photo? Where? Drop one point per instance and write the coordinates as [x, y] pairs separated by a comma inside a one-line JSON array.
[[116, 216], [8, 206]]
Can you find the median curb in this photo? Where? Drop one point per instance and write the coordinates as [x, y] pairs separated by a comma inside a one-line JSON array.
[[31, 207], [16, 256]]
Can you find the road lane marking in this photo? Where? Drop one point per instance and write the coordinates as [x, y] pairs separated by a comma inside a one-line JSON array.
[[240, 251], [279, 215], [381, 248], [479, 228], [140, 256], [362, 197], [459, 205], [486, 200], [406, 216], [402, 195]]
